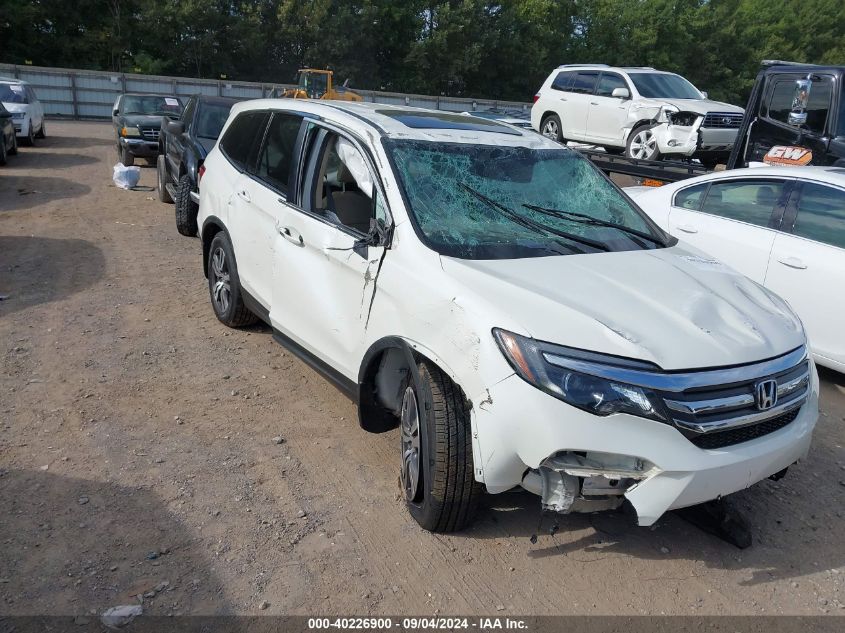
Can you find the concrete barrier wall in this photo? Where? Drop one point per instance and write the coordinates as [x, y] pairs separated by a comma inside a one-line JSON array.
[[89, 94]]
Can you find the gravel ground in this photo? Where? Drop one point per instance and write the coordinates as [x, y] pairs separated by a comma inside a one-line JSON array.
[[138, 456]]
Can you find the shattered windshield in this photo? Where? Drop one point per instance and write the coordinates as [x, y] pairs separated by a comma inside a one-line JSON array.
[[491, 202], [664, 86]]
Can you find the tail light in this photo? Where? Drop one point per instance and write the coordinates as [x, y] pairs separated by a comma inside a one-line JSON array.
[[200, 173], [536, 97]]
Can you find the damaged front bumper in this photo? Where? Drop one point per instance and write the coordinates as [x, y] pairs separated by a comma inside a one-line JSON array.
[[579, 462], [690, 140]]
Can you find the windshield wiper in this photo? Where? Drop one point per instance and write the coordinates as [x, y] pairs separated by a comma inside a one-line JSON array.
[[537, 227], [586, 219]]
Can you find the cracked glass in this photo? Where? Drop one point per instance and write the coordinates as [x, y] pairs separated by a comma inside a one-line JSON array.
[[469, 201]]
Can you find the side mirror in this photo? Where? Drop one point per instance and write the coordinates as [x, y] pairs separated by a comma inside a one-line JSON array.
[[175, 127], [798, 112], [704, 94], [115, 112], [621, 93]]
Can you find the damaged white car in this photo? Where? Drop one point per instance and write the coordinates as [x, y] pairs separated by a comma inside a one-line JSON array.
[[643, 112], [494, 296]]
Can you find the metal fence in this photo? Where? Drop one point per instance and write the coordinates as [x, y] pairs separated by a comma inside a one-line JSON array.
[[89, 94]]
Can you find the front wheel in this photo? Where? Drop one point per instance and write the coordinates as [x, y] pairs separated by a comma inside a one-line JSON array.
[[29, 139], [161, 180], [2, 150], [436, 450], [186, 209], [224, 285], [126, 157], [642, 144], [14, 148], [42, 132]]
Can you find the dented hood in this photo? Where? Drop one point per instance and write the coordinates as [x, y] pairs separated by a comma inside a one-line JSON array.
[[675, 307]]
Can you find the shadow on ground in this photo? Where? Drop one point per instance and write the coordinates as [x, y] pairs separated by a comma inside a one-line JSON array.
[[25, 192], [76, 142], [37, 270], [73, 546], [48, 160]]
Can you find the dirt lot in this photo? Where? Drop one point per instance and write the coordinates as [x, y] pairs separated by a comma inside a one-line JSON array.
[[137, 448]]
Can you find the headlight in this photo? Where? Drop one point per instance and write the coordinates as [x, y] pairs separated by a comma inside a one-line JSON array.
[[550, 368], [684, 119], [130, 131], [665, 112]]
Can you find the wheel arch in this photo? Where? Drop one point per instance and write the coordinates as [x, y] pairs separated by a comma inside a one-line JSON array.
[[382, 373], [210, 227]]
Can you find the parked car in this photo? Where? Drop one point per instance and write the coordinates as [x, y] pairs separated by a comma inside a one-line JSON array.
[[184, 145], [8, 139], [20, 99], [784, 227], [137, 120], [795, 116], [494, 296], [511, 117], [643, 112]]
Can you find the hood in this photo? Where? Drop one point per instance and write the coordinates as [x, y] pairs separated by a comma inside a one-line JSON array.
[[700, 106], [675, 307], [205, 145], [144, 120], [16, 107]]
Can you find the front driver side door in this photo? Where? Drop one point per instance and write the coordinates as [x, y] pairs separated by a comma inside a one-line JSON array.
[[731, 221], [324, 275], [607, 114]]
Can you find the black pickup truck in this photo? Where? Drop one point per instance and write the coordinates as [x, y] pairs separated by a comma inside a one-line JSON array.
[[137, 120], [185, 144]]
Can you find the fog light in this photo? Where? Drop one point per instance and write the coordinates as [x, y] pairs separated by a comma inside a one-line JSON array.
[[673, 143]]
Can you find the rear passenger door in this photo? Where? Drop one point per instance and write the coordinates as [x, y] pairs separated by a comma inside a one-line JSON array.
[[807, 266], [176, 143], [731, 220], [580, 95], [325, 273]]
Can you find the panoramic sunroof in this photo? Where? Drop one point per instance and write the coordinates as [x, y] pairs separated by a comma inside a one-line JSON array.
[[446, 121]]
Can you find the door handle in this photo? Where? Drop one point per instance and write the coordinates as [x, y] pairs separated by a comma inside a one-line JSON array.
[[686, 228], [243, 194], [291, 235], [593, 103], [562, 98], [792, 262]]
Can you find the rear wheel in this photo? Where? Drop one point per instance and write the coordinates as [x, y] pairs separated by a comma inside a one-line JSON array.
[[161, 180], [186, 209], [551, 128], [642, 144], [436, 449], [224, 285]]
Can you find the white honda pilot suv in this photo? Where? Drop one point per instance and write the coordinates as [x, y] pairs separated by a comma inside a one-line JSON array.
[[643, 112], [510, 310]]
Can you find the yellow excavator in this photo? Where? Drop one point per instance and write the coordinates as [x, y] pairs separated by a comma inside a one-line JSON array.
[[313, 83]]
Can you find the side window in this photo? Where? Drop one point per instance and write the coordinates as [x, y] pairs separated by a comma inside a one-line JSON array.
[[276, 157], [608, 83], [751, 201], [818, 105], [563, 81], [239, 144], [188, 113], [821, 215], [343, 185], [585, 83], [690, 198]]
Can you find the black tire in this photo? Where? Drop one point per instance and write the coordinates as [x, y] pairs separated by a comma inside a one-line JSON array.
[[151, 161], [161, 180], [551, 128], [186, 209], [223, 270], [2, 150], [641, 144], [42, 133], [29, 139], [14, 148], [126, 157], [445, 495]]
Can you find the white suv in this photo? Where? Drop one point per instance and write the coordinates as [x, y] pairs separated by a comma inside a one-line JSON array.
[[27, 112], [644, 112], [494, 296]]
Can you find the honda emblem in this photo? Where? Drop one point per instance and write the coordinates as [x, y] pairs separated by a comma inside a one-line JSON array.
[[766, 394]]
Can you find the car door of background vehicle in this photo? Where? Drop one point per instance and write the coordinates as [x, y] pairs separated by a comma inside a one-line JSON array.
[[580, 94], [807, 266], [731, 220], [607, 114], [176, 143], [324, 277]]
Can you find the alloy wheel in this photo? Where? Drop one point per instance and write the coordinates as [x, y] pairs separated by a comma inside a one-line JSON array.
[[411, 449], [644, 145], [221, 292], [550, 129]]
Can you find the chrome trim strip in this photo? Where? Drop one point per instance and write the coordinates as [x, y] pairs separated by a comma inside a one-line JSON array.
[[681, 381], [195, 197], [711, 406], [745, 420], [793, 385]]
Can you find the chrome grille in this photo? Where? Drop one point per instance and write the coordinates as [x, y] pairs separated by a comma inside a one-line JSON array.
[[715, 410], [150, 133], [722, 120]]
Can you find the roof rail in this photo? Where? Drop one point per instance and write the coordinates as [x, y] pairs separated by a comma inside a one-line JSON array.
[[779, 62], [637, 67], [583, 66]]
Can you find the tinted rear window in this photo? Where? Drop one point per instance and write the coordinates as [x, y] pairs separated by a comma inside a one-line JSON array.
[[240, 143], [563, 81]]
